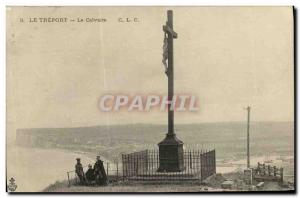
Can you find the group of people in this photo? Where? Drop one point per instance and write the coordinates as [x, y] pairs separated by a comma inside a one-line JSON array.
[[94, 175]]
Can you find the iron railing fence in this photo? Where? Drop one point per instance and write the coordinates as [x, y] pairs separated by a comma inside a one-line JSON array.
[[265, 172], [143, 166]]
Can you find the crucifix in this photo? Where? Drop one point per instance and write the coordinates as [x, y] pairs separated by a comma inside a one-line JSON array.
[[171, 148], [168, 29]]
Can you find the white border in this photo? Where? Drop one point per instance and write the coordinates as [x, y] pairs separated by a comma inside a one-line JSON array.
[[153, 2], [4, 3]]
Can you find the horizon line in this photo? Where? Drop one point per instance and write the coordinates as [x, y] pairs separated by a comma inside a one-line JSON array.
[[141, 123]]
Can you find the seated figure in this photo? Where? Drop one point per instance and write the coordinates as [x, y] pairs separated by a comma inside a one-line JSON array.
[[90, 175]]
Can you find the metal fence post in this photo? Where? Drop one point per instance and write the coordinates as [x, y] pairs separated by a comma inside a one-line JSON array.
[[215, 163], [107, 169], [117, 170], [123, 167], [191, 166]]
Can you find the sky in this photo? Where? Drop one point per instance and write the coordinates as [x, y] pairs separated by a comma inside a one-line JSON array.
[[229, 57]]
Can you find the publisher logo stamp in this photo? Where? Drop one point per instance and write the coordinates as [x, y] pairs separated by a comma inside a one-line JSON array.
[[12, 186]]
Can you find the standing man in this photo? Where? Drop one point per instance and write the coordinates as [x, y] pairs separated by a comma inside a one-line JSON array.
[[100, 173], [79, 171]]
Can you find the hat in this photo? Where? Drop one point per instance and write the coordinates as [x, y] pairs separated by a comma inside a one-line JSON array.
[[78, 159]]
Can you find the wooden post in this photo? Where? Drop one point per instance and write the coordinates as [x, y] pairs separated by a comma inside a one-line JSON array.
[[248, 136], [123, 167], [281, 174], [68, 179]]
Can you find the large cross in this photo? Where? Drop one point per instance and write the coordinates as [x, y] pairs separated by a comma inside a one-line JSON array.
[[171, 148], [168, 28]]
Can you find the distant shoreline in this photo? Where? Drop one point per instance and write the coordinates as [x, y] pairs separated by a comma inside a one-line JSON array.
[[158, 124]]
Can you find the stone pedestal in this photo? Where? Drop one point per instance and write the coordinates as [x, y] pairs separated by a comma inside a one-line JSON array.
[[171, 154]]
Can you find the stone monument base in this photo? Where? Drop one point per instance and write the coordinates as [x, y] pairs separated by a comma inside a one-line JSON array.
[[171, 154]]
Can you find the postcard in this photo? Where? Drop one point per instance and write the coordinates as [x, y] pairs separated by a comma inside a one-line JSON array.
[[150, 99]]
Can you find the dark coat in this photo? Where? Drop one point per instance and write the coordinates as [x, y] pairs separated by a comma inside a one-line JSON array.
[[90, 174], [100, 172]]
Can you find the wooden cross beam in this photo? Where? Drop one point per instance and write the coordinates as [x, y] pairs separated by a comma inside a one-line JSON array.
[[169, 30]]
